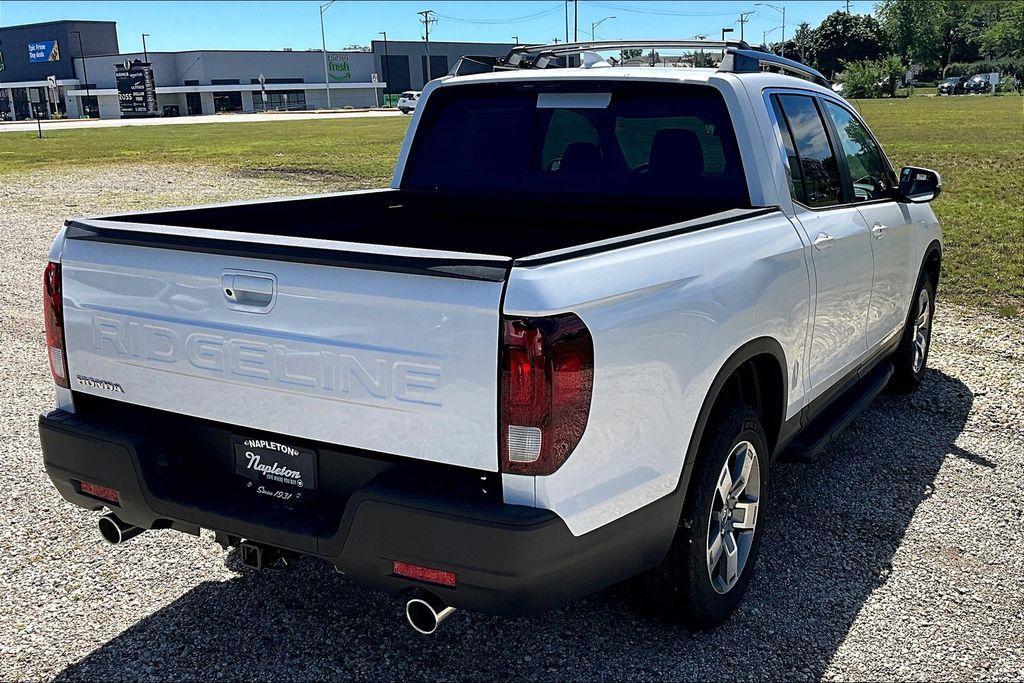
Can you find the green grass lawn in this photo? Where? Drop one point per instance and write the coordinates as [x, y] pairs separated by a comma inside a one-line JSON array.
[[358, 148], [976, 143]]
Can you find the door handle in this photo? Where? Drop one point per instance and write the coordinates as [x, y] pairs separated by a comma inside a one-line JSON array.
[[249, 291], [878, 230], [823, 241]]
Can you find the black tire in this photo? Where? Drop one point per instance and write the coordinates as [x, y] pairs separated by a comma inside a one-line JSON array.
[[403, 110], [907, 372], [681, 589]]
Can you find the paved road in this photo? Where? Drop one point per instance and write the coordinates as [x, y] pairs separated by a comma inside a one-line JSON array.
[[15, 126]]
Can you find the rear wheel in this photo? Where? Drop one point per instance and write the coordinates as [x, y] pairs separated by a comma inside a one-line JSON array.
[[712, 557], [911, 357]]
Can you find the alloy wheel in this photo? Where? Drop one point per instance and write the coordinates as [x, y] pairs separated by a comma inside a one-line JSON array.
[[733, 517], [922, 329]]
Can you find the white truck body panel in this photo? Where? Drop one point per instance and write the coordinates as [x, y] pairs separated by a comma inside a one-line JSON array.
[[395, 362], [664, 315]]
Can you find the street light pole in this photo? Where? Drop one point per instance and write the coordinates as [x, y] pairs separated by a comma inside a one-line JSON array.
[[145, 52], [85, 70], [782, 11], [594, 25], [384, 68], [323, 38], [724, 31]]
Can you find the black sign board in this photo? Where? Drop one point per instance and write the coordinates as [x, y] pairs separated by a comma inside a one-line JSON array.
[[136, 89]]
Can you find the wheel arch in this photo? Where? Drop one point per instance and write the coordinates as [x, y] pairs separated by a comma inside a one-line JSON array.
[[764, 357], [932, 262]]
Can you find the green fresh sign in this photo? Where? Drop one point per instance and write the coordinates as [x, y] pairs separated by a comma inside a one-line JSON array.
[[338, 67]]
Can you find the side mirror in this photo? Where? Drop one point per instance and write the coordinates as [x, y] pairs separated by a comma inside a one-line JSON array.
[[919, 185]]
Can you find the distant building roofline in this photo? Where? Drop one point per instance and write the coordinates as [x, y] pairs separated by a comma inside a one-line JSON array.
[[59, 21], [138, 53]]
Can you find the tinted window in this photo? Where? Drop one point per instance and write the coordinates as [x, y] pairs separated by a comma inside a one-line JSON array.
[[796, 181], [664, 142], [818, 166], [565, 128], [870, 174]]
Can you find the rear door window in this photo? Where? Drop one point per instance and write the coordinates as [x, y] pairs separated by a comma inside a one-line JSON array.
[[819, 169], [796, 179]]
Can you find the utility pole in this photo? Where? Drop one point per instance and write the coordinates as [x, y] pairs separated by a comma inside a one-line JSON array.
[[575, 21], [387, 83], [428, 17], [85, 72], [566, 21], [516, 38], [145, 53], [323, 37], [847, 7], [742, 20]]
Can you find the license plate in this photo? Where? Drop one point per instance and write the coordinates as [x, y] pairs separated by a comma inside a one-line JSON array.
[[276, 470]]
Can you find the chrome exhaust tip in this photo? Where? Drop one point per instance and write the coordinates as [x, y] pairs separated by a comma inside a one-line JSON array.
[[115, 531], [425, 614]]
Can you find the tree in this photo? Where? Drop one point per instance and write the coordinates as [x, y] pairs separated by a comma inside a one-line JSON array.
[[1005, 36], [844, 38], [803, 37]]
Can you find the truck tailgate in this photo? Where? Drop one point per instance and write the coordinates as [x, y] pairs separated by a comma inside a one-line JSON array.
[[378, 351]]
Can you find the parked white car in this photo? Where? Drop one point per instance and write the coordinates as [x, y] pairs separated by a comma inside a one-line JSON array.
[[562, 349], [407, 101]]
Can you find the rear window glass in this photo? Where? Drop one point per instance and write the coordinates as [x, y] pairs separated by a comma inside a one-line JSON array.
[[665, 142]]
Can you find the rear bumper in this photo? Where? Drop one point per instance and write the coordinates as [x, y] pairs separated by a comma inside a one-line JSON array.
[[509, 559]]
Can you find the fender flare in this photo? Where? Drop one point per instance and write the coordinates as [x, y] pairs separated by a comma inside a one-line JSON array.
[[754, 347], [934, 248]]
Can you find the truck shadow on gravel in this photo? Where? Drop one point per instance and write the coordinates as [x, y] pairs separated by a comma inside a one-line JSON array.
[[833, 528]]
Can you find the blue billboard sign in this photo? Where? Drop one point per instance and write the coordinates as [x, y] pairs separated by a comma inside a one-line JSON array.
[[43, 51]]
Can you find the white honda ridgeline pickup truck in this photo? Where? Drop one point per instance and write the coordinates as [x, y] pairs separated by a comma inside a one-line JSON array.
[[562, 349]]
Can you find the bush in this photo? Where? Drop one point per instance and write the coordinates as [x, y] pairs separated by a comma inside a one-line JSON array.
[[868, 78]]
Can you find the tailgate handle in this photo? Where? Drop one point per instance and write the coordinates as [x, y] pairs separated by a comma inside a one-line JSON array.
[[248, 291]]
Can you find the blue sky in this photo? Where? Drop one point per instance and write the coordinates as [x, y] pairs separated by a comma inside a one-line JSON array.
[[228, 24]]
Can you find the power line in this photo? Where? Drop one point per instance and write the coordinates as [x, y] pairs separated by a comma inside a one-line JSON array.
[[664, 13], [510, 20]]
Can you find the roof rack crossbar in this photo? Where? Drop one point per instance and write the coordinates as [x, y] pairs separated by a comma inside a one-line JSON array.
[[538, 52], [748, 61]]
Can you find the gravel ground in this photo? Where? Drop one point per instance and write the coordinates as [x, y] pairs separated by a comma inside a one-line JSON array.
[[896, 556]]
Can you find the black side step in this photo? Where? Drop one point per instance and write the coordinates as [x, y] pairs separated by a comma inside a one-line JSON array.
[[809, 443]]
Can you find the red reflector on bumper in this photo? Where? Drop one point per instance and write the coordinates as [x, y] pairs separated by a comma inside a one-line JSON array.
[[414, 571], [101, 492]]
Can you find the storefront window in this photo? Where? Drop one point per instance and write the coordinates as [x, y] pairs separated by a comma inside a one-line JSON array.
[[281, 100]]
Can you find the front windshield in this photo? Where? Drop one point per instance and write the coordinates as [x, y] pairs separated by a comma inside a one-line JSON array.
[[952, 80]]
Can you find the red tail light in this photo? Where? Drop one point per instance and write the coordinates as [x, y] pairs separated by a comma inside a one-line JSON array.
[[53, 317], [547, 378]]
